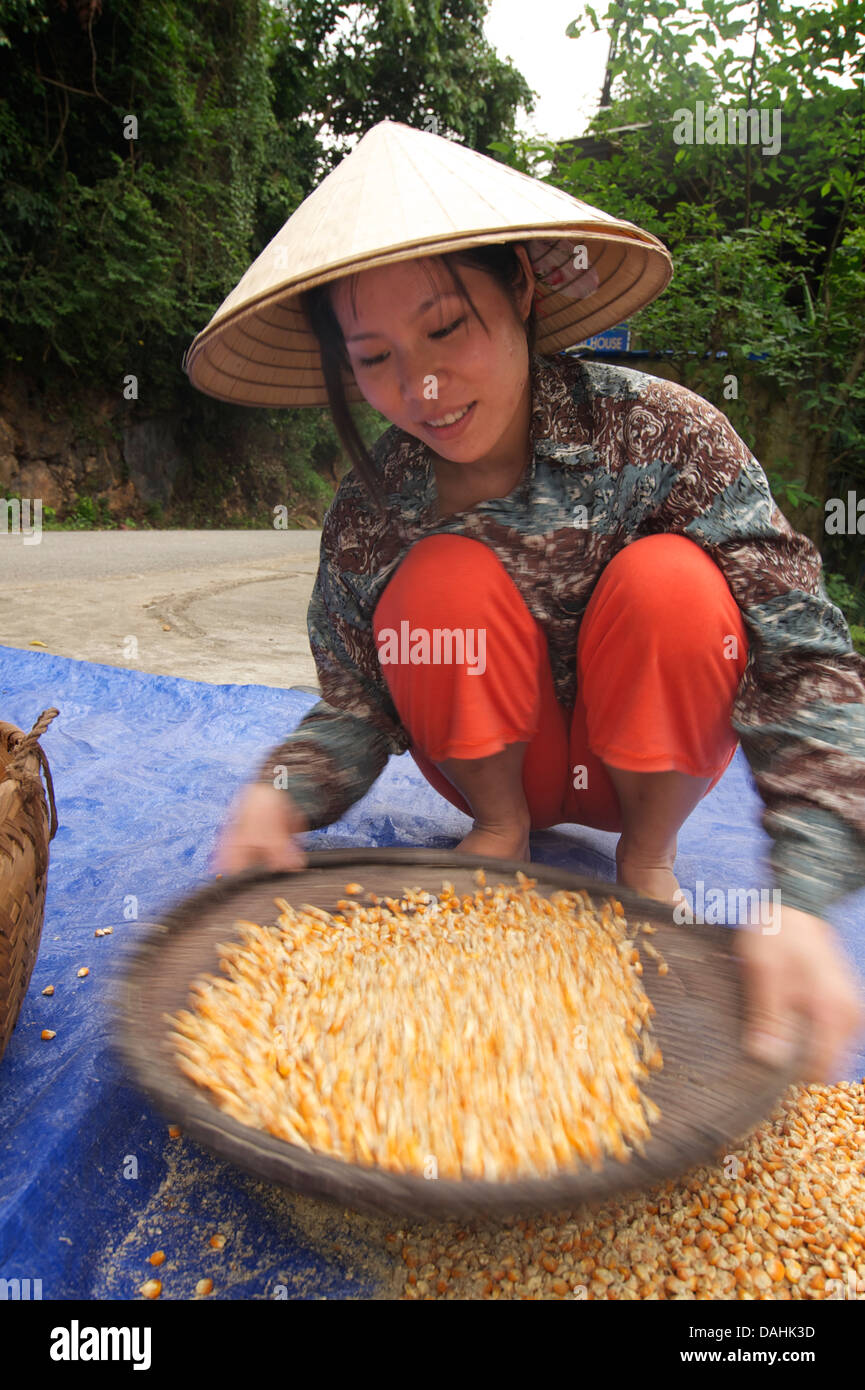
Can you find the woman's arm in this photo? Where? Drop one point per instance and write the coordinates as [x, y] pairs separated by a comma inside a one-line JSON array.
[[799, 713], [800, 708], [341, 745]]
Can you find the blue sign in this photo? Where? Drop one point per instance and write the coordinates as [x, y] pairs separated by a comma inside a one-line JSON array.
[[611, 340]]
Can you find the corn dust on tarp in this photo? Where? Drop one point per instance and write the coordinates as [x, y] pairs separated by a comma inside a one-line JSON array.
[[496, 1035], [781, 1218]]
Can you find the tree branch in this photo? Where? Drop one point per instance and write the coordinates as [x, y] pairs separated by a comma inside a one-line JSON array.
[[77, 90], [93, 52], [64, 120], [327, 111]]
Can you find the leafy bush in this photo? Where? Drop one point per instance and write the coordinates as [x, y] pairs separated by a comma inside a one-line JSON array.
[[851, 601]]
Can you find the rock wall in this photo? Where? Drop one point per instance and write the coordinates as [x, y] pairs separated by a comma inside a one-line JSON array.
[[57, 453], [61, 448]]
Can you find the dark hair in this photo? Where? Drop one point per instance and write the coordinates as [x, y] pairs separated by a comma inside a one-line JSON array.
[[498, 260]]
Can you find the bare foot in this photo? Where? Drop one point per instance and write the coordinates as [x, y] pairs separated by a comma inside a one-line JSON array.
[[504, 842], [649, 874]]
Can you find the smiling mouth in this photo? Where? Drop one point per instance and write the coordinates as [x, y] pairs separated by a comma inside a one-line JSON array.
[[451, 419]]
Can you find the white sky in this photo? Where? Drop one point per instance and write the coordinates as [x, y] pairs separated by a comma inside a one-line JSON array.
[[567, 74]]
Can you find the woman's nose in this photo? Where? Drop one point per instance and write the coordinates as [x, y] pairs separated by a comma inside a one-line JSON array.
[[415, 374], [419, 387]]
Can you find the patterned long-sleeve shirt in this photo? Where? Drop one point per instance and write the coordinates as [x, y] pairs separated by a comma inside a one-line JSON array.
[[623, 455]]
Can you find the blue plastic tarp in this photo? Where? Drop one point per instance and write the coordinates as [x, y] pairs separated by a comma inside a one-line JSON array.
[[144, 768]]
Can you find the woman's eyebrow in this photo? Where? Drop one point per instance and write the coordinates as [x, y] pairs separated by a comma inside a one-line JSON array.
[[427, 304]]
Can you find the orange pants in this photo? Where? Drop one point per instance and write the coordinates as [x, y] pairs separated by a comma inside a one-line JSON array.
[[657, 673]]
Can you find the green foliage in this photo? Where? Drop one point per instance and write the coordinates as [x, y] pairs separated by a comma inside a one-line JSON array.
[[87, 514], [840, 591], [851, 601], [110, 248], [768, 250], [115, 252], [789, 493]]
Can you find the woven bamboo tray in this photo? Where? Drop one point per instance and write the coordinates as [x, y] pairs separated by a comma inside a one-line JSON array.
[[24, 838], [709, 1091]]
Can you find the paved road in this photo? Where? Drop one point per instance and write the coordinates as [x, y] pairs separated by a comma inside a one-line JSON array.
[[222, 606]]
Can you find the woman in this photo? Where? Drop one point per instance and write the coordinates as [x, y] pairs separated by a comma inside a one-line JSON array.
[[610, 546]]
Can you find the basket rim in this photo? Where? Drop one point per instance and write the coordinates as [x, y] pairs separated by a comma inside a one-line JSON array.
[[372, 1188]]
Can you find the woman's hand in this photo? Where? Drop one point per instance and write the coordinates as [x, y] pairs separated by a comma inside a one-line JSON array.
[[799, 966], [258, 831]]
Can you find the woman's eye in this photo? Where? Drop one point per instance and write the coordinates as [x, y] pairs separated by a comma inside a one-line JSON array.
[[443, 332], [439, 333]]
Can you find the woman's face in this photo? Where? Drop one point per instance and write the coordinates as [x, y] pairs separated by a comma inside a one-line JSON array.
[[419, 354]]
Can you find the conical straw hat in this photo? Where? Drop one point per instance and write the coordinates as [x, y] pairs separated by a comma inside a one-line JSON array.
[[403, 193]]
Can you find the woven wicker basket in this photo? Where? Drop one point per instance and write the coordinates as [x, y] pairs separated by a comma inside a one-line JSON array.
[[24, 839]]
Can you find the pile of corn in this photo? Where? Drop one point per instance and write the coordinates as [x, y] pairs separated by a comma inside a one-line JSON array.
[[498, 1035], [782, 1216]]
